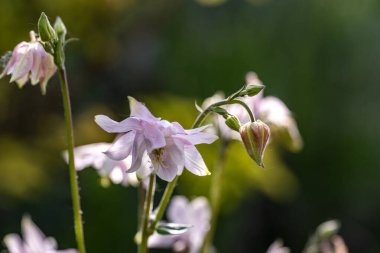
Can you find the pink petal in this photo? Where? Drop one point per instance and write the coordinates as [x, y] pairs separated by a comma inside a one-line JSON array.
[[23, 63], [112, 126], [14, 244], [138, 151], [33, 236], [178, 210], [194, 161], [161, 241], [140, 111], [154, 135], [122, 146]]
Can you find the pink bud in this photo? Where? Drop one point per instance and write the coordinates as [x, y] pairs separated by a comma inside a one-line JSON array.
[[255, 136], [30, 61]]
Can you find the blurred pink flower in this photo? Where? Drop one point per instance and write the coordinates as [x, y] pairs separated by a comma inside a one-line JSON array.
[[181, 211], [278, 247], [34, 240], [92, 155], [270, 110], [169, 146], [29, 60]]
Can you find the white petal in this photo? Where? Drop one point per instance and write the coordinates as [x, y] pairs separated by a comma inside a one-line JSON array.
[[153, 134], [122, 146], [112, 126], [194, 161], [140, 111], [161, 241], [178, 210], [13, 243]]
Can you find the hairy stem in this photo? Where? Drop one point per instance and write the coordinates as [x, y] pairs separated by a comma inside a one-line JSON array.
[[143, 247], [70, 146]]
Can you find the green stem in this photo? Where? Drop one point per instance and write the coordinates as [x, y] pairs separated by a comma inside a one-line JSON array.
[[70, 146], [215, 193], [143, 247], [170, 186]]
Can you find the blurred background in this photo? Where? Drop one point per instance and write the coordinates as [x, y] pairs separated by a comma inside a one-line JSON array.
[[320, 57]]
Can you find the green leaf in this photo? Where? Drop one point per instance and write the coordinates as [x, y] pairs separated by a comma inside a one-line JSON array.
[[172, 228]]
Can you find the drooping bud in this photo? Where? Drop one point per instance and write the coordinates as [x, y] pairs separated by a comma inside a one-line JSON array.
[[45, 30], [255, 136], [233, 122], [60, 29]]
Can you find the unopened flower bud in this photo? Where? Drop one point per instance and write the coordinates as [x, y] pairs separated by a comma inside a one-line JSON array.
[[255, 136], [233, 122], [252, 89], [45, 30], [60, 28]]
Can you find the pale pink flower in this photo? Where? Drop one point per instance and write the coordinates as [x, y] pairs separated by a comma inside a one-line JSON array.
[[277, 247], [92, 155], [29, 60], [196, 213], [169, 146], [34, 240]]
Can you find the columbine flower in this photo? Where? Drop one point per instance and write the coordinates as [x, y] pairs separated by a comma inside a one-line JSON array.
[[29, 60], [92, 155], [34, 240], [169, 146], [196, 213], [278, 247]]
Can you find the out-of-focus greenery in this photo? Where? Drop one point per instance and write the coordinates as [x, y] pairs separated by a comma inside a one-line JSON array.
[[320, 57]]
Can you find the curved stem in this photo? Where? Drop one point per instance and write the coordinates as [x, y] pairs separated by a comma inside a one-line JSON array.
[[246, 107], [143, 247], [70, 146], [215, 191]]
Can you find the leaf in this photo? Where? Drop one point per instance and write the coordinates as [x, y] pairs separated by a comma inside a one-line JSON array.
[[172, 228]]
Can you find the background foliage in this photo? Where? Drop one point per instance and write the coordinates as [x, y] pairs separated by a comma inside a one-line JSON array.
[[319, 56]]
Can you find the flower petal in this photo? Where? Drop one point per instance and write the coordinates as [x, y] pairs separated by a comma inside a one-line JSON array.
[[140, 111], [146, 167], [112, 126], [14, 243], [162, 241], [122, 146], [194, 161], [153, 134], [138, 151], [178, 210], [23, 63]]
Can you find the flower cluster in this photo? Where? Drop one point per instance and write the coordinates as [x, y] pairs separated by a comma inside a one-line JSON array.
[[34, 240], [29, 60], [155, 145], [197, 213]]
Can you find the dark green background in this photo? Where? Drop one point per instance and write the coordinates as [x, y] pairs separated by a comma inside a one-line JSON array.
[[321, 57]]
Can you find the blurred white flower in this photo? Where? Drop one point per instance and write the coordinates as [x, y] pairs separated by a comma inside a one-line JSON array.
[[34, 240], [92, 155], [196, 213]]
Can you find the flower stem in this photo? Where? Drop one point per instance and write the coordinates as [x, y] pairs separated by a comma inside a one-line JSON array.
[[143, 246], [215, 191], [70, 146]]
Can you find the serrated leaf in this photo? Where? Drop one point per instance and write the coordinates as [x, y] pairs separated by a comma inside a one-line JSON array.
[[172, 228]]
